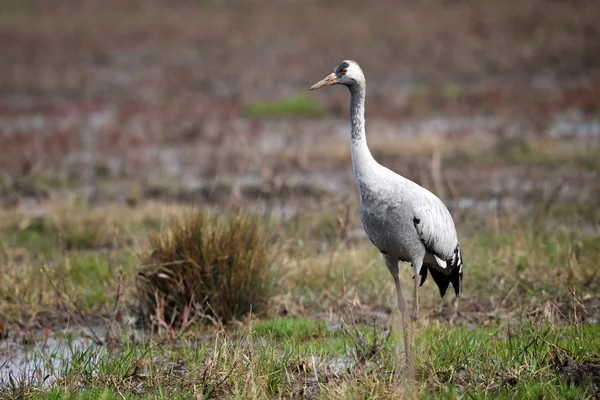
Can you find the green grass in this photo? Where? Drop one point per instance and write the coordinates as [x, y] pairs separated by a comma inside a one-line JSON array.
[[495, 360], [105, 394], [527, 285], [299, 105], [74, 255], [86, 281], [35, 234], [74, 227], [498, 359]]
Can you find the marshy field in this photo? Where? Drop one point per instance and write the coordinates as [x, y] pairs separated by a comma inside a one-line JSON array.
[[179, 217]]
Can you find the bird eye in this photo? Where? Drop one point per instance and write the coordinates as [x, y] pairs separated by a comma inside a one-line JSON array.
[[344, 71]]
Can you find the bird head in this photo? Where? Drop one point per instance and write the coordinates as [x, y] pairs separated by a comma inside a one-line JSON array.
[[348, 73]]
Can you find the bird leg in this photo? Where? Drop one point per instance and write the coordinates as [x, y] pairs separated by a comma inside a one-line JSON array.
[[402, 309], [392, 265], [415, 309]]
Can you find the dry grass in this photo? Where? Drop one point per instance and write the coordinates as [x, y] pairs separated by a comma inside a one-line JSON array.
[[208, 264], [524, 324], [69, 256]]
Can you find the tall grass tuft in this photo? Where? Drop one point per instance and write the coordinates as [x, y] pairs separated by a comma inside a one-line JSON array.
[[217, 265]]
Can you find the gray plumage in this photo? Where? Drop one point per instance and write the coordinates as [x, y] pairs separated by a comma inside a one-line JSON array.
[[405, 221]]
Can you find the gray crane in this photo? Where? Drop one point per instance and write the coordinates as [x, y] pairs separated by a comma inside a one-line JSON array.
[[405, 221]]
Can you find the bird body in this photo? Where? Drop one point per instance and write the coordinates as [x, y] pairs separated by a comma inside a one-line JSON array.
[[401, 218], [408, 222], [405, 221]]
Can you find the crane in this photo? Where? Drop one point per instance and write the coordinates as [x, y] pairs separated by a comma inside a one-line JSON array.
[[403, 220]]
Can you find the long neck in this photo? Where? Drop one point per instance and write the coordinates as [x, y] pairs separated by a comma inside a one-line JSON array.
[[362, 160]]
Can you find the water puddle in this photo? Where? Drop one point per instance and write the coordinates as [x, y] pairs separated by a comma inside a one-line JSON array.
[[42, 361]]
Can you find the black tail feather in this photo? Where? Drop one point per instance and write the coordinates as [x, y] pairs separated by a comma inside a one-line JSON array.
[[423, 274], [456, 280], [457, 273], [442, 280]]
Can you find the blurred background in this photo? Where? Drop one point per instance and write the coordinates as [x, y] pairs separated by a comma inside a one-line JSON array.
[[493, 105], [118, 115]]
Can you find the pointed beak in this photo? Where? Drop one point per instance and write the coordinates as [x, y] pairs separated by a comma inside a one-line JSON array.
[[331, 79]]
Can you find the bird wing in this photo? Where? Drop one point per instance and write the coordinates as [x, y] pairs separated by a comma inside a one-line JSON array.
[[436, 229], [435, 226]]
